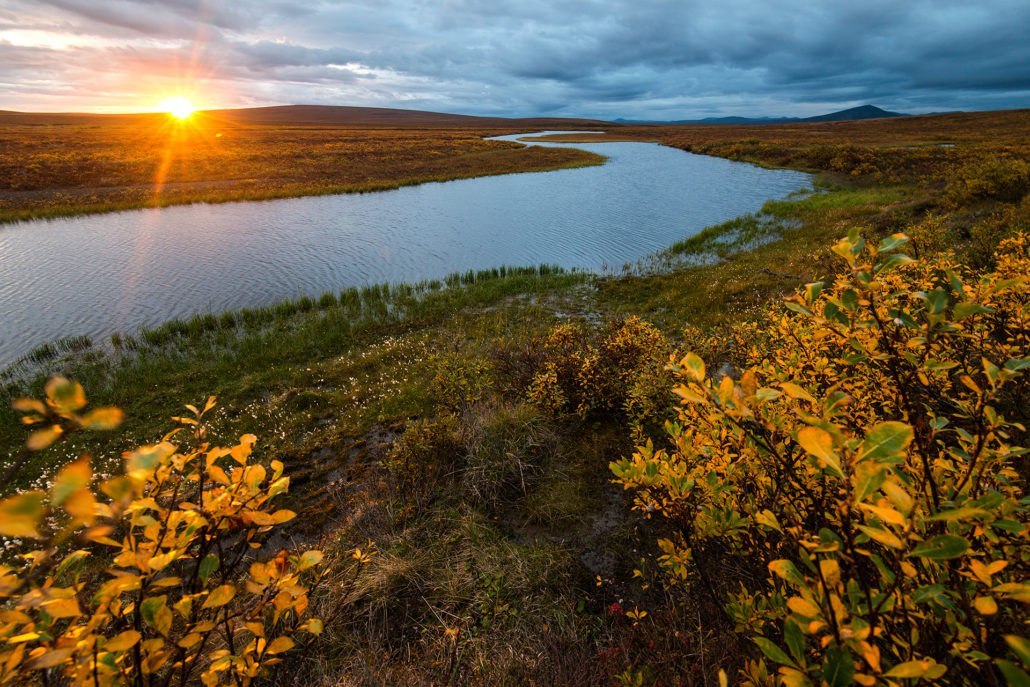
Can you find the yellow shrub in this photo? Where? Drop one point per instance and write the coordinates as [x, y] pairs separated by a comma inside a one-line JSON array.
[[868, 457], [187, 591], [595, 375]]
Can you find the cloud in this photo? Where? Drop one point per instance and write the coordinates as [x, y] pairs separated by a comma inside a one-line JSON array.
[[671, 59]]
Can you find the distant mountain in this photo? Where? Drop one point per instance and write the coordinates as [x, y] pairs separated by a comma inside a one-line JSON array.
[[855, 113], [314, 115], [849, 115]]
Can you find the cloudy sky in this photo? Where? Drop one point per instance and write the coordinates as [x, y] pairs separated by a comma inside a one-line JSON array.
[[638, 59]]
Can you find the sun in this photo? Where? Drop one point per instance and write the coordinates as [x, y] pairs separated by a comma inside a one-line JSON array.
[[178, 106]]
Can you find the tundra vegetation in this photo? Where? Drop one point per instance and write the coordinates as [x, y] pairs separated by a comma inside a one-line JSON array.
[[53, 169], [791, 450]]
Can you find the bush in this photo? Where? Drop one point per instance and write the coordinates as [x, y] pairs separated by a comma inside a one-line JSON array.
[[992, 178], [595, 374], [184, 593], [869, 460]]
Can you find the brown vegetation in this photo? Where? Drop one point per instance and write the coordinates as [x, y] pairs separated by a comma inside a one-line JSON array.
[[93, 164]]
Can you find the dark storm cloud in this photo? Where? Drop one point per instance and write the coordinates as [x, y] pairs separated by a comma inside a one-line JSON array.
[[606, 58]]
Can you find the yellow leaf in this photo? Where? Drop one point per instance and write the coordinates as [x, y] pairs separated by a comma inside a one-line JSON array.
[[281, 516], [81, 506], [985, 605], [63, 608], [914, 669], [310, 559], [883, 536], [795, 391], [51, 658], [220, 596], [28, 405], [42, 438], [803, 608], [161, 561], [64, 395], [191, 639], [819, 443], [830, 570], [70, 479], [122, 642], [26, 637], [217, 474], [887, 515], [102, 418], [694, 366], [279, 645], [20, 514]]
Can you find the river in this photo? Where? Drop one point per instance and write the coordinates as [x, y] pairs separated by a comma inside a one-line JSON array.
[[99, 274]]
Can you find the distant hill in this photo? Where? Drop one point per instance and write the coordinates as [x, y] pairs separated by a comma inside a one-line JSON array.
[[849, 115], [855, 113], [314, 115]]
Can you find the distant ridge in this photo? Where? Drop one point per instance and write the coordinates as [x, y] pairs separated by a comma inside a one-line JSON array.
[[312, 115], [850, 115]]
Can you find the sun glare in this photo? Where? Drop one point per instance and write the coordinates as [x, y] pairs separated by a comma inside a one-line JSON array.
[[178, 106]]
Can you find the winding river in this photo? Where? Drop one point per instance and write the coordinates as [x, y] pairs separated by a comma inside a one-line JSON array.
[[99, 274]]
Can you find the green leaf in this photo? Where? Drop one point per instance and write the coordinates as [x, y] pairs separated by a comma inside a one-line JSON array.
[[891, 243], [936, 301], [1017, 364], [912, 670], [1020, 646], [885, 441], [869, 476], [208, 566], [150, 607], [1014, 676], [964, 513], [773, 652], [893, 261], [941, 547], [964, 309], [786, 570], [838, 667], [794, 639]]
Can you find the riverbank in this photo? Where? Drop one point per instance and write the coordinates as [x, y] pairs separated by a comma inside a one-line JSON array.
[[74, 169], [503, 554]]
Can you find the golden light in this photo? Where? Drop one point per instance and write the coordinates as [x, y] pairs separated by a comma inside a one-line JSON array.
[[178, 106]]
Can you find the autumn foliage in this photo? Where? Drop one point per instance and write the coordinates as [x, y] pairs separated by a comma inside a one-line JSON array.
[[163, 577], [862, 471]]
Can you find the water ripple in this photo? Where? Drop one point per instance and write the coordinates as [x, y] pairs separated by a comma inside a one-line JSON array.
[[99, 274]]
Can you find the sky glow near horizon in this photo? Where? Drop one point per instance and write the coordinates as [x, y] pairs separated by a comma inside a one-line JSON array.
[[634, 59]]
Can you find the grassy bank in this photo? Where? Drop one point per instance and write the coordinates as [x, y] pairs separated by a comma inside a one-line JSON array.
[[60, 170], [408, 416]]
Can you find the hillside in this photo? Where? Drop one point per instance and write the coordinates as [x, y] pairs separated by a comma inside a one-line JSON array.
[[852, 114]]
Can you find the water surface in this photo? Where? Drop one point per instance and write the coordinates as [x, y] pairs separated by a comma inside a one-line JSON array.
[[99, 274]]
